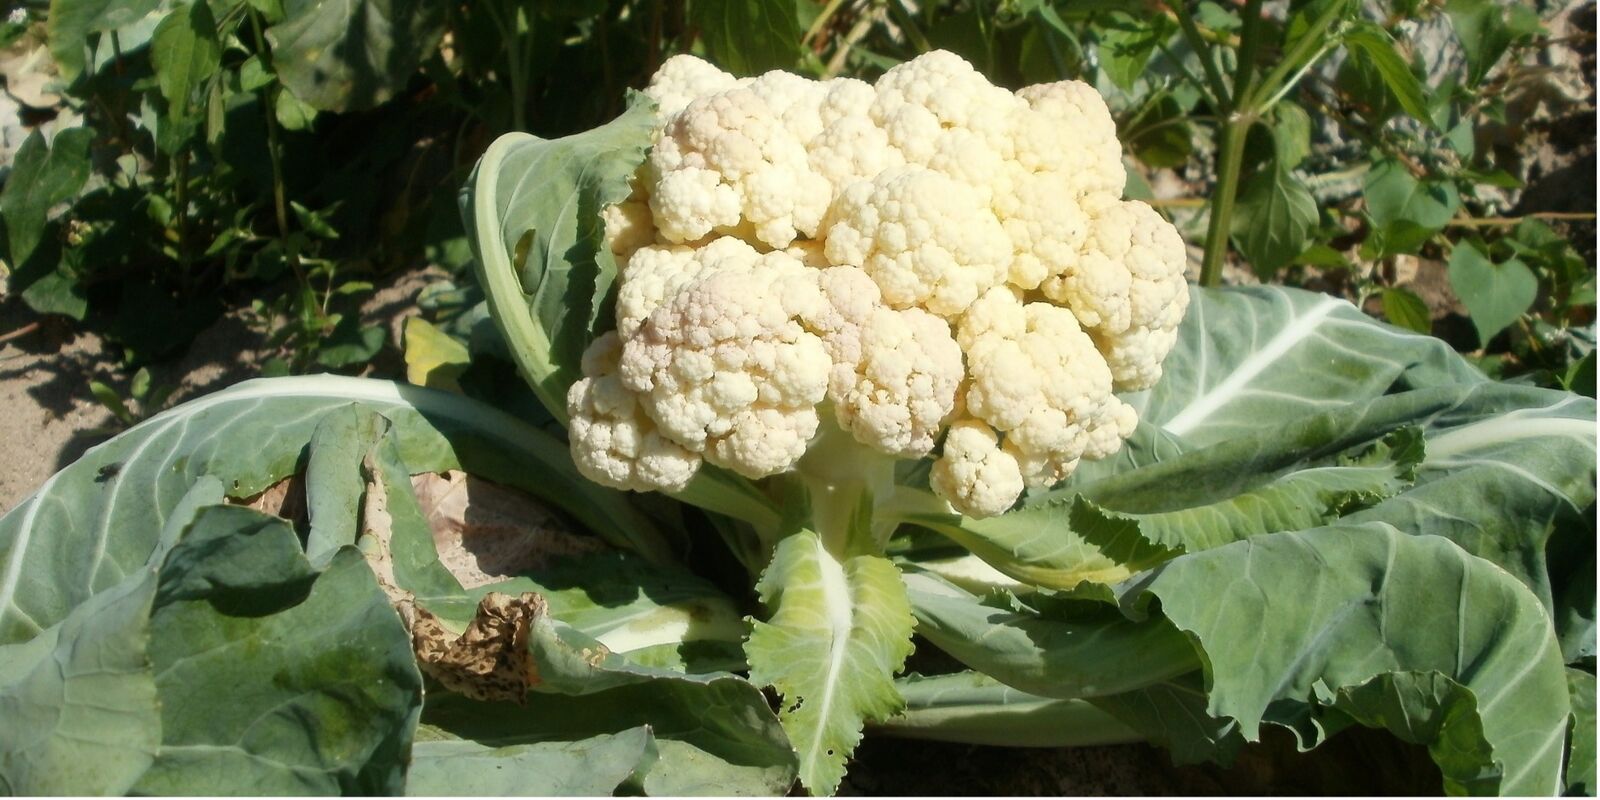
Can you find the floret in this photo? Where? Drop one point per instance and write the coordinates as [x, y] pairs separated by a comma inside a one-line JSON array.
[[614, 443], [725, 369], [922, 237]]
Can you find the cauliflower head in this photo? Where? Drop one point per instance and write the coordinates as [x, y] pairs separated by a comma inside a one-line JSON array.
[[936, 266]]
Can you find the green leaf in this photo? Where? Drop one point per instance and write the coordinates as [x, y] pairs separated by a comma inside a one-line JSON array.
[[838, 631], [593, 767], [1495, 295], [1404, 308], [1173, 714], [234, 556], [1161, 136], [1291, 134], [533, 208], [254, 74], [433, 358], [313, 222], [1303, 620], [1302, 474], [1407, 211], [322, 691], [333, 478], [714, 734], [1273, 219], [41, 177], [349, 55], [112, 401], [748, 37], [291, 112], [79, 700], [1250, 359], [1126, 43], [1063, 652], [101, 517], [1373, 43], [1484, 36], [185, 52], [350, 343], [69, 24], [1581, 749], [972, 708]]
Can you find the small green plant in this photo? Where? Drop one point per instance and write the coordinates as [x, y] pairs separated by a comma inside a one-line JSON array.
[[144, 399]]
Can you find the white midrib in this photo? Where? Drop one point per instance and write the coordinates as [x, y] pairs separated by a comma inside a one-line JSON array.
[[840, 616], [1508, 428], [1203, 406]]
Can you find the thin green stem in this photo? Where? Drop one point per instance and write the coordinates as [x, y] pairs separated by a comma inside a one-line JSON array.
[[1249, 44], [1197, 43], [1297, 59], [1228, 169], [510, 33], [823, 17], [180, 175], [280, 203]]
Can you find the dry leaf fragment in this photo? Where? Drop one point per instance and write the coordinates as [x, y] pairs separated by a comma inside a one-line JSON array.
[[485, 532], [490, 660]]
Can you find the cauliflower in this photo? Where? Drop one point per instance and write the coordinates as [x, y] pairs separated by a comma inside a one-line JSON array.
[[925, 267]]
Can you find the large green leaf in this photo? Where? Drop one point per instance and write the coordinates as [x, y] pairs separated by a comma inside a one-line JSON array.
[[348, 55], [592, 767], [1173, 714], [533, 216], [1581, 748], [1464, 655], [1063, 652], [284, 681], [100, 518], [837, 632], [714, 734], [1103, 531], [1258, 357], [972, 708], [79, 701]]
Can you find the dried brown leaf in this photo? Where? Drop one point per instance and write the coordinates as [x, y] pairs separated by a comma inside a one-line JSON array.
[[485, 532]]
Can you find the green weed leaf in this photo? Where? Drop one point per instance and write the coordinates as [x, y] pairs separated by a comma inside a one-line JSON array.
[[185, 53], [1273, 219], [1404, 308], [749, 37], [1496, 295], [348, 55]]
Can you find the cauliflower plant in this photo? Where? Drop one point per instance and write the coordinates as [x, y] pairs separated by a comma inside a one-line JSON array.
[[928, 266]]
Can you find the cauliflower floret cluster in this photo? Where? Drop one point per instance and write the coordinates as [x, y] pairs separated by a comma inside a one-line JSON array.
[[934, 264]]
